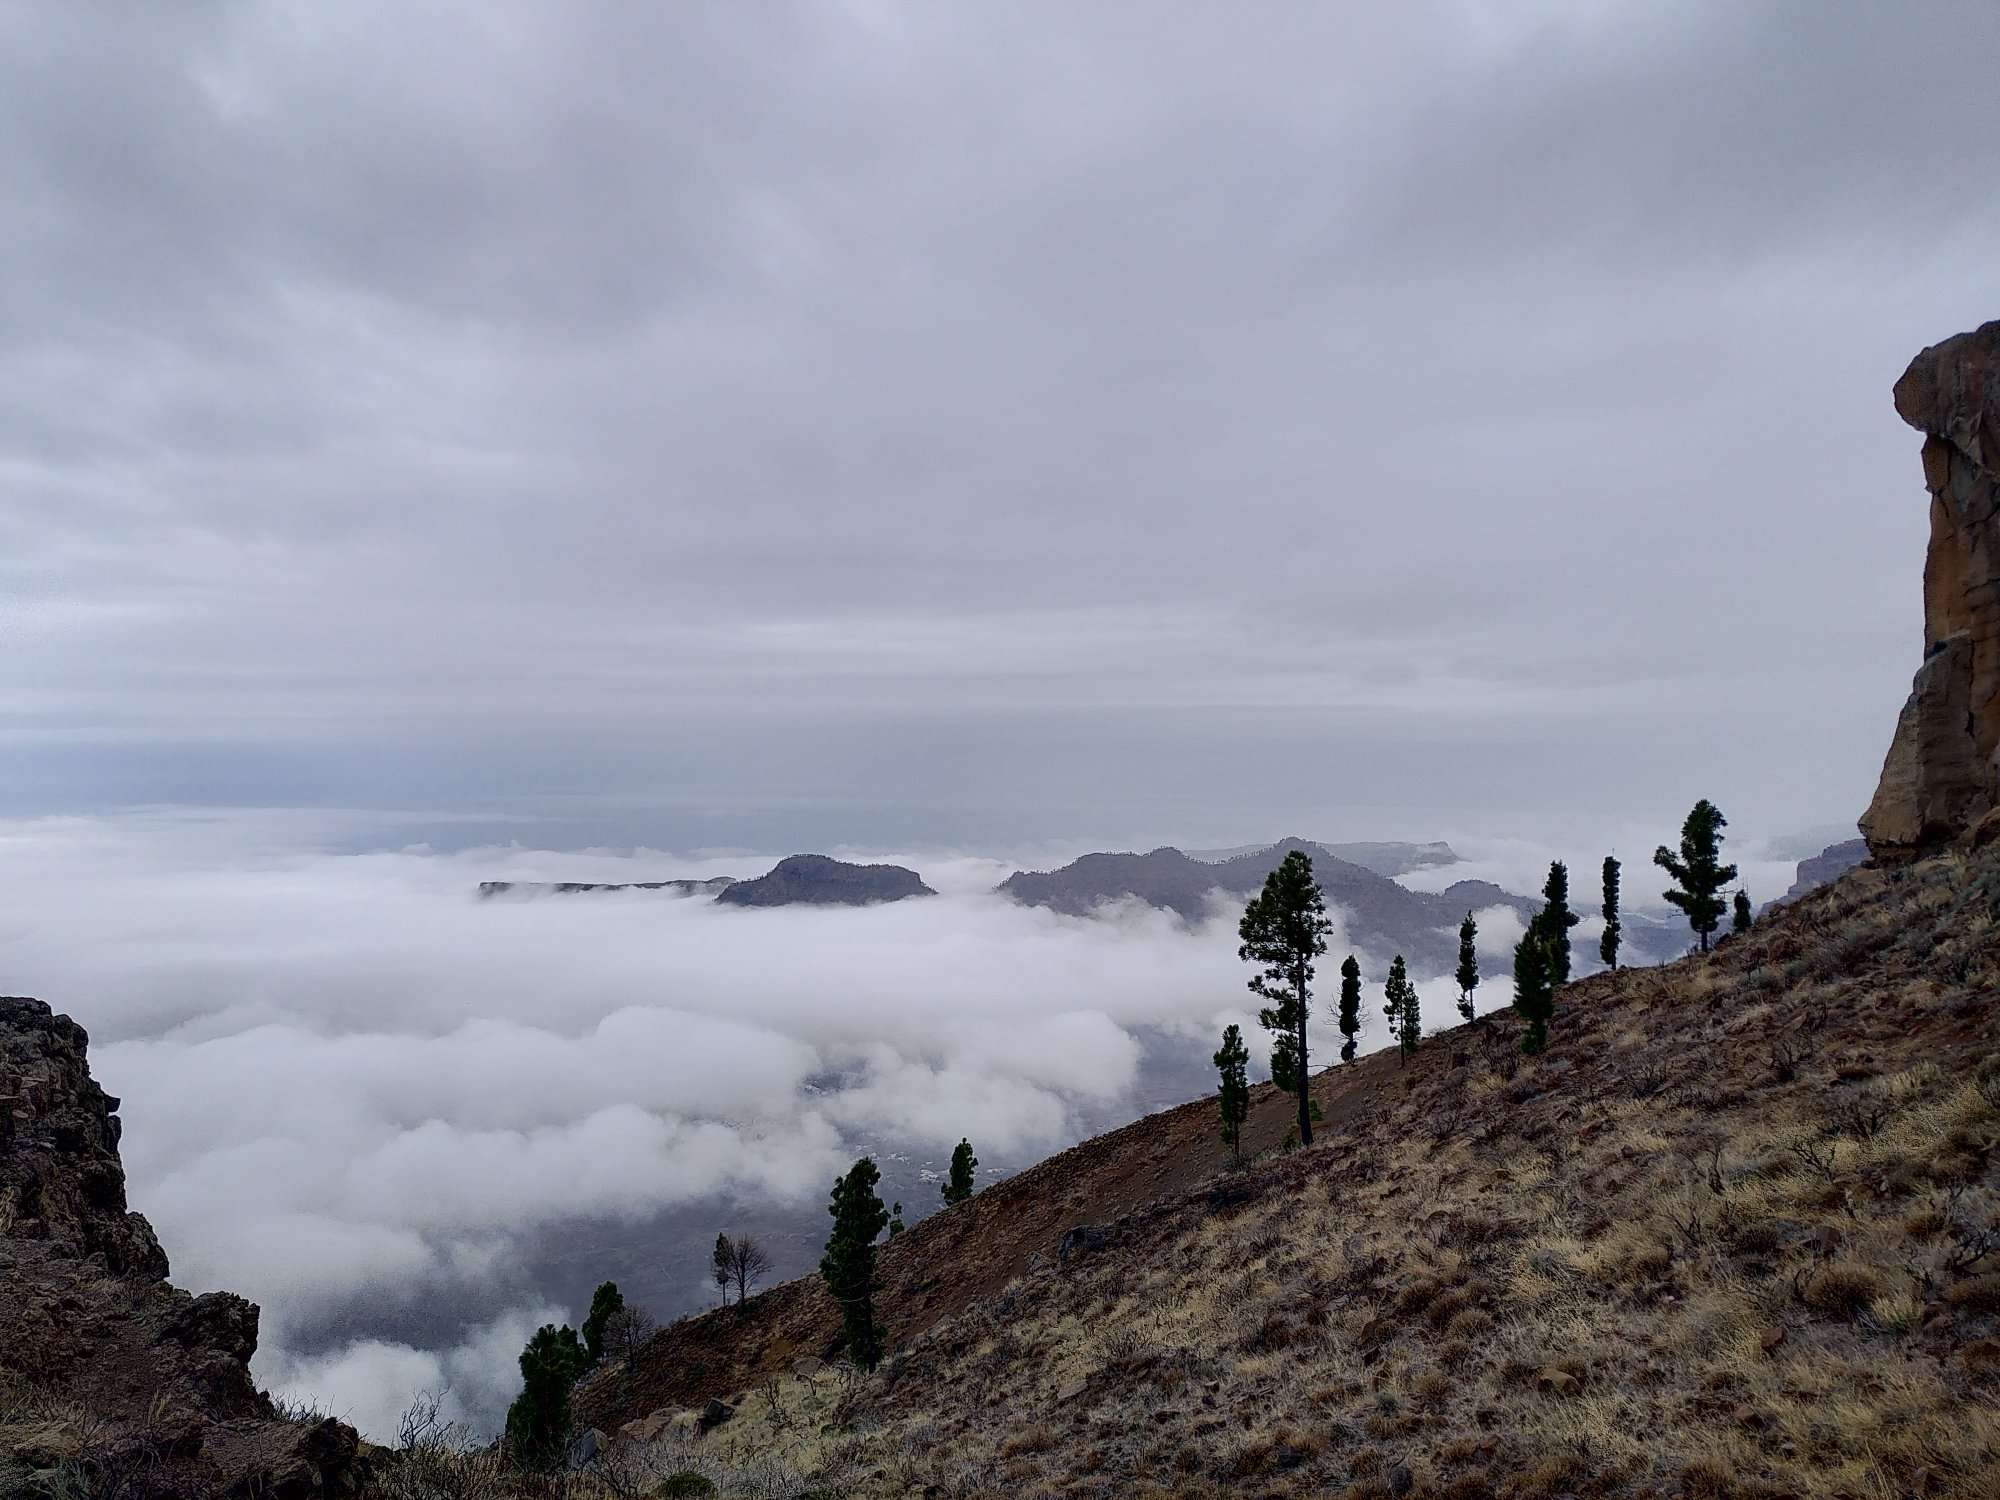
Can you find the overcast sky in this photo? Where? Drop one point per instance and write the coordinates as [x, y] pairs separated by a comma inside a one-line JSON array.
[[884, 422]]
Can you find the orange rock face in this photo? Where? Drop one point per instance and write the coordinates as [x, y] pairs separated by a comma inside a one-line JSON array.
[[1940, 775]]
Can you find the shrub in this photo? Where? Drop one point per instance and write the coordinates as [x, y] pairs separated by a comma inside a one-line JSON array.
[[1843, 1288], [685, 1485], [1976, 1294]]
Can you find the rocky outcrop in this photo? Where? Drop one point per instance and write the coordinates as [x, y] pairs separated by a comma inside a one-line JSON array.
[[159, 1379], [1940, 773], [61, 1182], [816, 880], [714, 885], [1825, 867]]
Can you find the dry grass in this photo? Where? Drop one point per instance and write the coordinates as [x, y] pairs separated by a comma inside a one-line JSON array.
[[1646, 1263]]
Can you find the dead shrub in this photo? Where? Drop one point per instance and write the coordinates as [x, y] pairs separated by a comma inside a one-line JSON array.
[[1029, 1440], [1469, 1323], [1843, 1288], [1418, 1295], [1445, 1307], [1976, 1294], [1706, 1479], [1430, 1389]]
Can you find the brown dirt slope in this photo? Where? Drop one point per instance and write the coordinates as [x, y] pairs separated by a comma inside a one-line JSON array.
[[1735, 1234]]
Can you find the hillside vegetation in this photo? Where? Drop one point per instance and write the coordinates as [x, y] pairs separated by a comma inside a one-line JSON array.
[[1734, 1234]]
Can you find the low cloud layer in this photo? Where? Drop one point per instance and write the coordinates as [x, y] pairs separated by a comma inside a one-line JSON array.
[[366, 1099]]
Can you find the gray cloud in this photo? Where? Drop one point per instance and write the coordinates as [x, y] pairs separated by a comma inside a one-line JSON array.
[[380, 382]]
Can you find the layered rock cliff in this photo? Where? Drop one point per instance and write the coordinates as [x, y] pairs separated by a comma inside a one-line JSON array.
[[155, 1382], [1940, 775]]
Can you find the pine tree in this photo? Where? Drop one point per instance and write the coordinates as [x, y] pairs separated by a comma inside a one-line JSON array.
[[895, 1219], [1231, 1062], [719, 1263], [538, 1421], [1607, 945], [1556, 920], [1399, 1003], [1741, 920], [848, 1265], [1283, 930], [1468, 965], [1699, 872], [604, 1305], [1350, 1006], [958, 1186], [1534, 987]]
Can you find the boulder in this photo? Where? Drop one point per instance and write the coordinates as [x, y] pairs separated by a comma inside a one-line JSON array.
[[1551, 1381], [1939, 777], [716, 1413]]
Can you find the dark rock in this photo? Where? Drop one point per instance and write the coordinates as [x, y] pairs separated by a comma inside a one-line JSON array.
[[715, 885], [715, 1413], [816, 880], [165, 1373], [1076, 1241]]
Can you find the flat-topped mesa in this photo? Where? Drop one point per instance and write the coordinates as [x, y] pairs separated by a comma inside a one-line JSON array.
[[1941, 774]]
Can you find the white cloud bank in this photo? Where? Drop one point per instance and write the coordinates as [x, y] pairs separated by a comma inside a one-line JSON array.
[[354, 1091]]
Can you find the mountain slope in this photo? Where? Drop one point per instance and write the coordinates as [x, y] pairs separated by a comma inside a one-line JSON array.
[[1734, 1234], [1382, 917]]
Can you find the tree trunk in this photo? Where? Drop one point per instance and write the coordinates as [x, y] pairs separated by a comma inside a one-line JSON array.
[[1305, 1072]]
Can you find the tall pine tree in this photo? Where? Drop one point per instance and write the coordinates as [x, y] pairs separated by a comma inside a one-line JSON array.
[[1399, 1003], [1283, 930], [1350, 1006], [604, 1305], [1232, 1063], [538, 1421], [848, 1265], [1534, 987], [1556, 920], [1468, 965], [1607, 945], [958, 1185], [1699, 873]]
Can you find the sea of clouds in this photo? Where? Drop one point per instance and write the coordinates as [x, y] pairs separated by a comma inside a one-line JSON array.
[[358, 1094]]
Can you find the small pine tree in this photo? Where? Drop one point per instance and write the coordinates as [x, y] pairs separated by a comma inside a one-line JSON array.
[[1556, 920], [1741, 920], [895, 1219], [1350, 1006], [1232, 1062], [958, 1186], [1607, 945], [848, 1265], [1399, 1003], [604, 1305], [1699, 872], [719, 1263], [1468, 965], [1283, 930], [538, 1421], [1534, 987]]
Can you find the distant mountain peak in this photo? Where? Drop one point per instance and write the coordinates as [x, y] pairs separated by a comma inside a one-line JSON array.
[[821, 880]]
